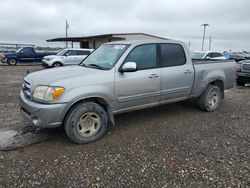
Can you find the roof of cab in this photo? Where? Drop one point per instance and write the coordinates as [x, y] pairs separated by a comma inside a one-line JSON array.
[[138, 42]]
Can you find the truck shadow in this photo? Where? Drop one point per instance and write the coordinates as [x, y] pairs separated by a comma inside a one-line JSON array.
[[29, 135]]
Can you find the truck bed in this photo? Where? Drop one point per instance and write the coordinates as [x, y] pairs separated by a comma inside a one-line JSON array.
[[207, 71]]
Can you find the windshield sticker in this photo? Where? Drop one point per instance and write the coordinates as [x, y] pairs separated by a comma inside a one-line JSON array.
[[119, 47]]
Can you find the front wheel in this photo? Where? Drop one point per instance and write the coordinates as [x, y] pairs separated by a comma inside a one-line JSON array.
[[86, 122], [12, 61], [210, 99], [57, 64]]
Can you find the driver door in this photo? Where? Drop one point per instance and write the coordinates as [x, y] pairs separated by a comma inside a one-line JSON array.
[[139, 89]]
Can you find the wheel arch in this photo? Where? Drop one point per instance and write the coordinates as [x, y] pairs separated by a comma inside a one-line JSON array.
[[99, 100], [57, 62], [8, 58]]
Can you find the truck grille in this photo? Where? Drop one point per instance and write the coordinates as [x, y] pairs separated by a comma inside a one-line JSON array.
[[245, 67], [26, 89]]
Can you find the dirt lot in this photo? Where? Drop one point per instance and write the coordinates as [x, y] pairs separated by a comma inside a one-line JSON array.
[[175, 145]]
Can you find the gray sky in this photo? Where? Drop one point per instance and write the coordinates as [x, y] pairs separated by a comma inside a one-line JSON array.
[[34, 21]]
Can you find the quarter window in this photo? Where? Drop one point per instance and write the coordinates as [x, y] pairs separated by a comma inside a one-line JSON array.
[[144, 56], [172, 55]]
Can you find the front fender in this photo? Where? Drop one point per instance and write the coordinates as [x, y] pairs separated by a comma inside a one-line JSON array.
[[80, 93]]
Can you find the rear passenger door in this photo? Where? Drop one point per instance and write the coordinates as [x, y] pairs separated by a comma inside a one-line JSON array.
[[176, 73]]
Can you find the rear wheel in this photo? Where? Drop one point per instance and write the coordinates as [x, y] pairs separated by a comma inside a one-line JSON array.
[[12, 61], [57, 64], [86, 122], [210, 99]]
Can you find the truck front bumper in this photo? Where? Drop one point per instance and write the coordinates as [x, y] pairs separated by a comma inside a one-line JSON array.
[[42, 115]]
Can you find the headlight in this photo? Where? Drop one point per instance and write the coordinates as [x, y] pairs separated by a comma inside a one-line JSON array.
[[47, 93]]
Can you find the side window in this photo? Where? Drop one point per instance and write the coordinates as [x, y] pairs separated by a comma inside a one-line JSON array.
[[217, 54], [71, 52], [209, 55], [83, 52], [214, 55], [144, 56], [27, 51], [172, 55]]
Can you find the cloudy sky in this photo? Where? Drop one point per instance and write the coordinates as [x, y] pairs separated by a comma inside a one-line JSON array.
[[34, 21]]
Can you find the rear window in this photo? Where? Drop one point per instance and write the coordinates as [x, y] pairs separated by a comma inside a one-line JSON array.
[[172, 55]]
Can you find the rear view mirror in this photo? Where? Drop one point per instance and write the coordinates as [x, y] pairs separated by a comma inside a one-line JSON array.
[[129, 67]]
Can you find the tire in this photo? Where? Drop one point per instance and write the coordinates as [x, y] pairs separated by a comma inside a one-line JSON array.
[[210, 99], [240, 83], [12, 61], [57, 64], [86, 122]]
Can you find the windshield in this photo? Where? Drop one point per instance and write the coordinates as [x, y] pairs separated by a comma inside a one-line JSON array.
[[19, 50], [62, 52], [105, 56], [197, 55]]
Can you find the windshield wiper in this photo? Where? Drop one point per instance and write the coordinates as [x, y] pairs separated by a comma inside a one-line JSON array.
[[92, 65]]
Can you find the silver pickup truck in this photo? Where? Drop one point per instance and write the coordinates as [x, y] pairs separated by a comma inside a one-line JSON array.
[[119, 77]]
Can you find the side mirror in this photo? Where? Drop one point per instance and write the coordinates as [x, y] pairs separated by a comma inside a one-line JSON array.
[[207, 57], [21, 52], [129, 67], [66, 55]]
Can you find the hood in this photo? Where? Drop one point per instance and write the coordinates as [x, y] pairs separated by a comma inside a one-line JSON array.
[[62, 76], [10, 54]]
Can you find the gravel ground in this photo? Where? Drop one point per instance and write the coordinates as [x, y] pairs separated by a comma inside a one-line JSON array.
[[175, 145]]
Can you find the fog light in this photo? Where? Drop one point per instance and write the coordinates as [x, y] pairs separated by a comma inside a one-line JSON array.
[[36, 121]]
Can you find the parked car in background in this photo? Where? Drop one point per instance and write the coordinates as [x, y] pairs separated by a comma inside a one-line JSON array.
[[66, 57], [243, 72], [237, 57], [207, 55], [119, 77], [25, 55]]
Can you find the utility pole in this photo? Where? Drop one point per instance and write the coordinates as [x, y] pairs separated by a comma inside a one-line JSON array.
[[210, 42], [67, 26], [204, 32], [189, 44]]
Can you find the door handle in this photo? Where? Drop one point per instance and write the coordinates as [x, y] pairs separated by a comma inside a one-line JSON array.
[[187, 72], [153, 76]]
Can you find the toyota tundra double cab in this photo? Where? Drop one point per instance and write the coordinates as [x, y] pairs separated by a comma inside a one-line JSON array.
[[120, 77]]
